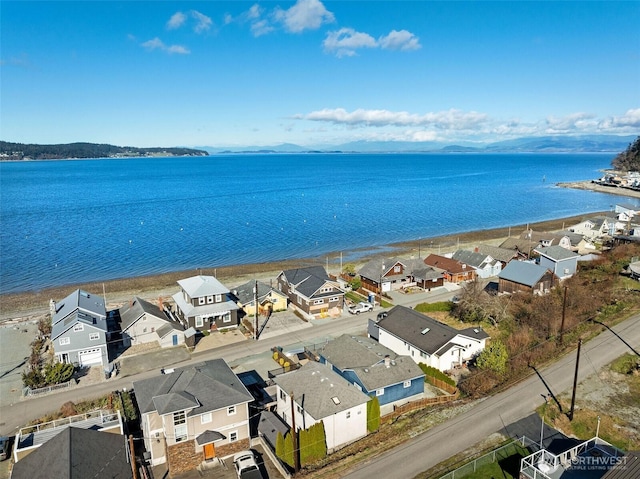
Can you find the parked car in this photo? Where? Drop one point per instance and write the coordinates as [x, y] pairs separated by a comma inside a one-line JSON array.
[[246, 465], [5, 448], [361, 307]]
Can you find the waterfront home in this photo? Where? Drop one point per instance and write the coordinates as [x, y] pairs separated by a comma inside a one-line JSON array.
[[270, 299], [373, 368], [504, 255], [311, 291], [204, 303], [562, 262], [78, 453], [319, 394], [594, 228], [428, 341], [525, 276], [544, 239], [79, 329], [381, 275], [143, 322], [194, 414], [484, 264], [454, 271]]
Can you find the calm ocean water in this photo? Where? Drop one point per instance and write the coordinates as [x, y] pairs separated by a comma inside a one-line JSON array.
[[64, 222]]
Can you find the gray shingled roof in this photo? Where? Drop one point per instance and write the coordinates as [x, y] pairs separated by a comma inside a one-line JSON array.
[[245, 293], [501, 254], [365, 357], [523, 272], [270, 425], [476, 260], [77, 453], [206, 386], [377, 267], [307, 280], [557, 253], [411, 326], [78, 307], [200, 285], [131, 312], [314, 386]]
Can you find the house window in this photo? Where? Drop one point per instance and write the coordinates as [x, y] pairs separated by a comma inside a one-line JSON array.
[[199, 322], [78, 327], [423, 354], [226, 318], [318, 301], [379, 392], [299, 409], [206, 418], [233, 436], [282, 395], [396, 268], [218, 298], [407, 384], [335, 299], [210, 299], [201, 300], [94, 336], [231, 410], [64, 341], [180, 425], [566, 271], [358, 386]]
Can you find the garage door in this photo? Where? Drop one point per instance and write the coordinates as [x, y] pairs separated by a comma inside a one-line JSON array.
[[90, 357]]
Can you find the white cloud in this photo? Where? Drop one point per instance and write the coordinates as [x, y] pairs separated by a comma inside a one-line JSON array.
[[304, 15], [572, 122], [261, 27], [203, 22], [346, 41], [157, 44], [449, 119], [176, 20], [400, 40], [627, 122]]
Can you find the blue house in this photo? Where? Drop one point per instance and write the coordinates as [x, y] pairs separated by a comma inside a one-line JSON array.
[[563, 262], [374, 369]]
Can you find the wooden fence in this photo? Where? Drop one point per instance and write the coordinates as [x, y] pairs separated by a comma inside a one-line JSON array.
[[440, 384], [420, 404]]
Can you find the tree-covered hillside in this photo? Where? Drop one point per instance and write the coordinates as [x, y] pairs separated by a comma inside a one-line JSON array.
[[20, 151], [628, 160]]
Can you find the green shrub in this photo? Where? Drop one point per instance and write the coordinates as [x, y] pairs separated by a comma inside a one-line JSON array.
[[373, 414]]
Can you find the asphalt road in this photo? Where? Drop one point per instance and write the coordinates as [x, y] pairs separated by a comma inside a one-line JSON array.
[[493, 414]]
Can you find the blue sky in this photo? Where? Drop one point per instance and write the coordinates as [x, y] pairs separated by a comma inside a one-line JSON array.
[[235, 73]]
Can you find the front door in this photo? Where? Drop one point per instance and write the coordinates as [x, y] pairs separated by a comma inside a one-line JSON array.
[[209, 452]]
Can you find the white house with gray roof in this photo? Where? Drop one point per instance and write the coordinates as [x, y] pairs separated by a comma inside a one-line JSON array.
[[312, 291], [204, 303], [485, 265], [79, 330], [428, 341], [373, 368], [143, 322], [193, 414], [563, 262], [319, 394]]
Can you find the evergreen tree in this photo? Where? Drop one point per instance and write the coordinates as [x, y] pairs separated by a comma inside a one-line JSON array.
[[288, 450], [494, 357], [628, 160], [280, 446]]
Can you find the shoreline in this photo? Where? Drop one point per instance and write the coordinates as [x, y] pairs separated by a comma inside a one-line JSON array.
[[590, 186], [25, 305]]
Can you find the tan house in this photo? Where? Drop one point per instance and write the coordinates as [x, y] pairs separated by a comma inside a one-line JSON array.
[[270, 299], [193, 415]]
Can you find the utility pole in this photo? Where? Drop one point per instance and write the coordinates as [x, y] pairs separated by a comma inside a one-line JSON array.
[[575, 382], [255, 297], [564, 309], [296, 448], [132, 455]]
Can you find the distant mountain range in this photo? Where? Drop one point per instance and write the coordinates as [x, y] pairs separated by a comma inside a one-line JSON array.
[[543, 144]]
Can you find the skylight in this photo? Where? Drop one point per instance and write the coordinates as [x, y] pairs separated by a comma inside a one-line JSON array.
[[425, 330], [335, 400]]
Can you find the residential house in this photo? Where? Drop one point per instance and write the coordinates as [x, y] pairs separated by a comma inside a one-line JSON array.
[[521, 247], [76, 453], [394, 274], [269, 425], [562, 262], [31, 438], [143, 322], [79, 330], [454, 271], [319, 394], [312, 291], [595, 227], [484, 264], [546, 239], [373, 368], [193, 414], [524, 276], [504, 255], [269, 298], [204, 303], [428, 341]]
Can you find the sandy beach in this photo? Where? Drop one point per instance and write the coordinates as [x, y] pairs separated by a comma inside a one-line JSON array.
[[612, 190]]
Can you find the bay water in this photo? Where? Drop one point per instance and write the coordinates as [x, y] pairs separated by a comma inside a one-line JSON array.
[[64, 222]]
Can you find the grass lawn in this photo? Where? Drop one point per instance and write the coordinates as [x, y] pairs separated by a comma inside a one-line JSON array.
[[506, 468]]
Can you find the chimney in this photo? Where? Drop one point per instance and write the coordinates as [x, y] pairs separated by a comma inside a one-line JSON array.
[[476, 249], [387, 360]]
